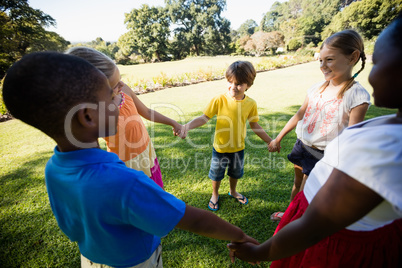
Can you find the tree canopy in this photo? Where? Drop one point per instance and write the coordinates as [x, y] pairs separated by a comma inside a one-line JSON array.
[[22, 30], [369, 17], [148, 33], [198, 25]]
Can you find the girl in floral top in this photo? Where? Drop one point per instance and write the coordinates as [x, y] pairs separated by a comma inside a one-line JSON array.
[[329, 107]]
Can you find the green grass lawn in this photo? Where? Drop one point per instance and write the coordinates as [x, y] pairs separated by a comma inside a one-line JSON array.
[[147, 71], [29, 233]]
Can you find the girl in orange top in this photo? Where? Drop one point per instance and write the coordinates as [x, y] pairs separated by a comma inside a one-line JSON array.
[[132, 142]]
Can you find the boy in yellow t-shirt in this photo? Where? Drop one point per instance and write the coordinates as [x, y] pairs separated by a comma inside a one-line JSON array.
[[233, 109]]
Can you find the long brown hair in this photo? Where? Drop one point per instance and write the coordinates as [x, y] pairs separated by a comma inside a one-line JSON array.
[[347, 41]]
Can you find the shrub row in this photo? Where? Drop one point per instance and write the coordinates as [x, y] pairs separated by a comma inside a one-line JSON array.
[[162, 81], [141, 86]]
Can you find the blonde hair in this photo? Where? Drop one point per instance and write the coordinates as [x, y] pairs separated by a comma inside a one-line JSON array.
[[102, 62], [347, 41]]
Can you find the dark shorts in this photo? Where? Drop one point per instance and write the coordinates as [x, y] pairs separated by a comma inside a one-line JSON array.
[[234, 162], [305, 156]]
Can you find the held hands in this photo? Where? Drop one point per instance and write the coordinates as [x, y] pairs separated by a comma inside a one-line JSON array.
[[274, 146], [180, 130], [246, 251]]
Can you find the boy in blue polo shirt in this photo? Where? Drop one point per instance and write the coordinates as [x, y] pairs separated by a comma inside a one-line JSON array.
[[116, 214]]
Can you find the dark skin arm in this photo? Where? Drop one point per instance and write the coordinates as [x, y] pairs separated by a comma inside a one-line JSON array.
[[340, 202], [207, 224]]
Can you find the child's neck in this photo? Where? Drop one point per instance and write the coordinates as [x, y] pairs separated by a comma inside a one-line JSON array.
[[340, 82], [64, 145], [238, 98], [335, 86]]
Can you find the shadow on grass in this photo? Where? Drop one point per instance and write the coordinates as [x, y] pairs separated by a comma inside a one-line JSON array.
[[30, 236], [267, 182], [16, 183]]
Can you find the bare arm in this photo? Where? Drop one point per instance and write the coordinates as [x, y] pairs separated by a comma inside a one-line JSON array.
[[150, 114], [357, 114], [260, 132], [197, 122], [341, 201], [207, 224], [290, 125]]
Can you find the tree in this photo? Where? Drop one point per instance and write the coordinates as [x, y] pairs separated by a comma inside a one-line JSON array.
[[275, 40], [241, 44], [247, 28], [316, 15], [148, 32], [294, 45], [369, 17], [262, 42], [198, 25], [303, 20], [270, 21], [291, 29], [22, 31], [217, 40]]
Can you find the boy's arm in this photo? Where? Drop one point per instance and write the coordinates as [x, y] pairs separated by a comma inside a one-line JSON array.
[[196, 122], [150, 114], [260, 132], [207, 224]]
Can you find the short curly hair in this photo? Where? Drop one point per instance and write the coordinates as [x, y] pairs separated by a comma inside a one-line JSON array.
[[41, 88]]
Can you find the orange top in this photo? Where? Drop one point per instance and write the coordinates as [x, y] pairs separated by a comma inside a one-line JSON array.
[[132, 137]]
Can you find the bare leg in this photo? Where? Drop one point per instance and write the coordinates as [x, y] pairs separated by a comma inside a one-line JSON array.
[[297, 182], [215, 193], [304, 182], [233, 184]]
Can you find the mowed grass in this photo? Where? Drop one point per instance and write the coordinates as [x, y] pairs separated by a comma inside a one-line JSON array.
[[29, 233], [147, 71]]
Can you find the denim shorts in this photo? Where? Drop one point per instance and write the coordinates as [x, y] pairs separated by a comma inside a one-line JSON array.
[[305, 156], [234, 162]]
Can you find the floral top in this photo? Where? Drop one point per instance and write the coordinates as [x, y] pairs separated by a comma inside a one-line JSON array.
[[326, 116]]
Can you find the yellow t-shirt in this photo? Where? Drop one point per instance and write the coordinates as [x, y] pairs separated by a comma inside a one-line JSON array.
[[232, 116]]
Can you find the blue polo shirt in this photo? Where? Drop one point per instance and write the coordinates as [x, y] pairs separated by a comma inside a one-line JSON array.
[[115, 214]]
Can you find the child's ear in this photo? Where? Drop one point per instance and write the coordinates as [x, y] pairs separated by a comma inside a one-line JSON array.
[[355, 57], [87, 117]]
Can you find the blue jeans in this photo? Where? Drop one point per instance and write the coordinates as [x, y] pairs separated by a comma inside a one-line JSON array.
[[234, 162]]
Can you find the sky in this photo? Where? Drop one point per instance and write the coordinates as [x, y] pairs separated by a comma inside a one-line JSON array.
[[85, 20]]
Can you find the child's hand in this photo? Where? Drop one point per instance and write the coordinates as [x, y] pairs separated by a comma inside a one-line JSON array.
[[177, 130], [247, 240], [183, 132], [274, 146], [243, 251]]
